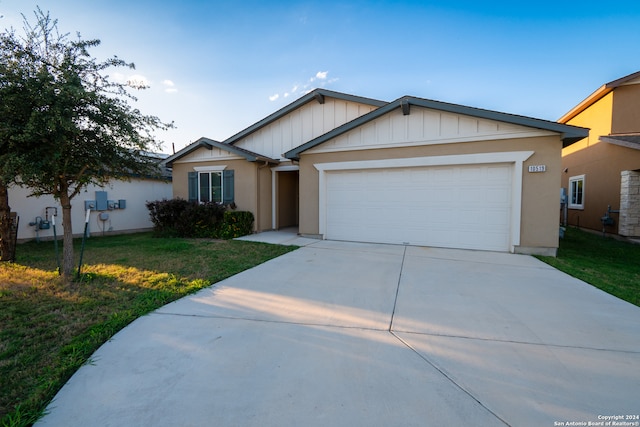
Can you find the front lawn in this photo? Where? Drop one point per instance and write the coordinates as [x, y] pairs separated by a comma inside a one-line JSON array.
[[606, 263], [48, 328]]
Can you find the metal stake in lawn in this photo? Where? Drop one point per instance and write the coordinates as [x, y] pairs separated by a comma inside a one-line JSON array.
[[84, 237], [55, 242]]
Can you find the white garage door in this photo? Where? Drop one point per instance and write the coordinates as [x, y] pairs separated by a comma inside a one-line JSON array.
[[465, 206]]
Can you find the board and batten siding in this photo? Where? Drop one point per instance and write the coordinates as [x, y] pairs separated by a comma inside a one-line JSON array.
[[424, 127], [203, 154], [304, 124]]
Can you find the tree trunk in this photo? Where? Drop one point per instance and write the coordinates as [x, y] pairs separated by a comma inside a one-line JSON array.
[[5, 224], [68, 263]]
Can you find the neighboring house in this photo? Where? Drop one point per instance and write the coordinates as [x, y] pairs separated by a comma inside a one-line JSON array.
[[602, 172], [119, 207], [412, 171]]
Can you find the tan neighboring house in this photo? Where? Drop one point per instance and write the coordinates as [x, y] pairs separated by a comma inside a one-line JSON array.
[[412, 171], [602, 172]]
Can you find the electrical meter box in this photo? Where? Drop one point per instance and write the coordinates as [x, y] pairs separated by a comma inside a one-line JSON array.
[[89, 204], [101, 201]]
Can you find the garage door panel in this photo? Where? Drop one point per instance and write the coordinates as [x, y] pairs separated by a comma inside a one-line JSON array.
[[499, 173], [497, 217], [461, 206], [469, 175], [497, 195]]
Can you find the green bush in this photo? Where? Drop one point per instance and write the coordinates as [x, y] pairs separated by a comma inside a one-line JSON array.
[[181, 218], [165, 214], [235, 224]]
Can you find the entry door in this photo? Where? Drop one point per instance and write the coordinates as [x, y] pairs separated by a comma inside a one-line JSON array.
[[287, 199]]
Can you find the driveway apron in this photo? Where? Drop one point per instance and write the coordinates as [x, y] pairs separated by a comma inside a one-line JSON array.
[[349, 334]]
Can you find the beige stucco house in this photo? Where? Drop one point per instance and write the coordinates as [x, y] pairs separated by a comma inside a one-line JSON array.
[[602, 172], [412, 171]]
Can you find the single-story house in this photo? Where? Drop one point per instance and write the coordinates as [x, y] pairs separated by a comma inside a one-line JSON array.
[[119, 207], [602, 172], [412, 171]]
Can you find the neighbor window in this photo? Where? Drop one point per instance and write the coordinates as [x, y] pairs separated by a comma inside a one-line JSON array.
[[211, 186], [576, 192]]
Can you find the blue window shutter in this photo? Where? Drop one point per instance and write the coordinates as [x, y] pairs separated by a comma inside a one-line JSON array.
[[227, 186], [193, 186]]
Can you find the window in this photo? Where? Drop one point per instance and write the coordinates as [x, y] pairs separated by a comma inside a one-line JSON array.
[[211, 186], [576, 192]]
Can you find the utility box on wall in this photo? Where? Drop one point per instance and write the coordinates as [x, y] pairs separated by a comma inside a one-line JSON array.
[[122, 204], [101, 201]]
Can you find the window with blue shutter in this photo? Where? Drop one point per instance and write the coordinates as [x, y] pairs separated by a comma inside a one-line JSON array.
[[227, 187], [215, 186], [193, 186]]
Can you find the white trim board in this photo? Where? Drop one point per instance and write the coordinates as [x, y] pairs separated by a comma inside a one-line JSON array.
[[212, 168]]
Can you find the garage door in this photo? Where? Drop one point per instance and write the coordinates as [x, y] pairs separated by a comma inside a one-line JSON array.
[[466, 206]]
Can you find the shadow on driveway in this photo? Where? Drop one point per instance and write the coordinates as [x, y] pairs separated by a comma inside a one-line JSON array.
[[349, 334]]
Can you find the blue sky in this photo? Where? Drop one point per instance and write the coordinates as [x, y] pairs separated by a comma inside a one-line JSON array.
[[216, 67]]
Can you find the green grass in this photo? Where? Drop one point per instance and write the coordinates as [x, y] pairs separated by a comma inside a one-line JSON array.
[[604, 262], [49, 328]]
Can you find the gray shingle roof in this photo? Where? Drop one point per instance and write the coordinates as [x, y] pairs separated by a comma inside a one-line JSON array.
[[569, 134], [210, 143]]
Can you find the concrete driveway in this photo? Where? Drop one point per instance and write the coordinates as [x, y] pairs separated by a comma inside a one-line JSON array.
[[348, 334]]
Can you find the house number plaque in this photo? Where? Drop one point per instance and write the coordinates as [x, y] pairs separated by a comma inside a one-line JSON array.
[[538, 168]]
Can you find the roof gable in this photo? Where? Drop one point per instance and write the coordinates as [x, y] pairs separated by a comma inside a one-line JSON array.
[[603, 90], [462, 122], [317, 95], [211, 144], [303, 124]]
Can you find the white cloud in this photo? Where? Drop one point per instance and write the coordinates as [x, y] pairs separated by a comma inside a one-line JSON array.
[[320, 75], [300, 90], [169, 86], [138, 81], [119, 78]]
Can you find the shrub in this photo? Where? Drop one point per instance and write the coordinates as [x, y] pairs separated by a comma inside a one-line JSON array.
[[181, 218], [165, 215], [235, 224]]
